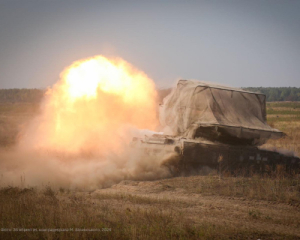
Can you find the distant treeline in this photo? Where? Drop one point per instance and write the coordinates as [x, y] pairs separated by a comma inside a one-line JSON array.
[[35, 95], [273, 94], [278, 94], [21, 95]]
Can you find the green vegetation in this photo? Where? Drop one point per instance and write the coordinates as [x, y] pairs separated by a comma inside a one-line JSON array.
[[278, 94], [290, 105], [283, 112], [21, 95], [35, 95], [273, 94], [285, 116]]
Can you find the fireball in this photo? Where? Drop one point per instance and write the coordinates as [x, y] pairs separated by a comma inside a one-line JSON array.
[[93, 106]]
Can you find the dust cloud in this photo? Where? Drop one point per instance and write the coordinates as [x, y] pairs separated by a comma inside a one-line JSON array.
[[82, 137]]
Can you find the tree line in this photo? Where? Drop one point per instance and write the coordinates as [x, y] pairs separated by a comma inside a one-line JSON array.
[[277, 94], [273, 94], [35, 95], [21, 95]]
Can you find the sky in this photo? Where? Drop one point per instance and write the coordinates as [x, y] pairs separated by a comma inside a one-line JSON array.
[[238, 43]]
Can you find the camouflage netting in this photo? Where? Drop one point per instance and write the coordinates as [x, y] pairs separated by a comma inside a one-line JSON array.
[[197, 109]]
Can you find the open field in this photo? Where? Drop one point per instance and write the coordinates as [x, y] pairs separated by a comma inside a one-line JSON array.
[[194, 207], [199, 207], [285, 116], [13, 118]]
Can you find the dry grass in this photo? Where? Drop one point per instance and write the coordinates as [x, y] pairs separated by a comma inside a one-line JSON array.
[[280, 189], [195, 207], [285, 116], [13, 118], [121, 216]]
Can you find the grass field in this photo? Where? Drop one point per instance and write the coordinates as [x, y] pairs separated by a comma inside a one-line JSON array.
[[285, 116], [194, 207], [13, 118]]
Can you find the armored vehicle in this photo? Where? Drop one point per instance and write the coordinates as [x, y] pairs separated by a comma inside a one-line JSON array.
[[215, 126]]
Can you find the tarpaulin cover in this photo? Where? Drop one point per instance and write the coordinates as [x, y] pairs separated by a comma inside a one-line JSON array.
[[198, 109]]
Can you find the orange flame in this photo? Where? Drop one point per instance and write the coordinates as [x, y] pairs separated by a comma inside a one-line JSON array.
[[93, 105]]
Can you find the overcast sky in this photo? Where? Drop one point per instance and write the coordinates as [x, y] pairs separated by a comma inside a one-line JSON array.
[[238, 43]]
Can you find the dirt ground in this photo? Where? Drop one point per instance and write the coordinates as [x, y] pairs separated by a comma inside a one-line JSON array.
[[176, 208], [194, 207], [240, 213]]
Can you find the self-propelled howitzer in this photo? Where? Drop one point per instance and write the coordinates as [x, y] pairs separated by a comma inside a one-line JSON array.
[[216, 126]]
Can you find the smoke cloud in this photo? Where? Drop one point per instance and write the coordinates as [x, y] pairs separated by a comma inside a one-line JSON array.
[[82, 137]]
